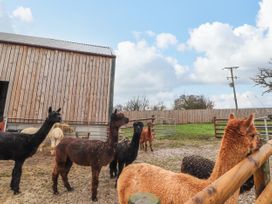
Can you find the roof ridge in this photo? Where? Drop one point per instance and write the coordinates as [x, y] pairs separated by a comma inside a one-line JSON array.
[[56, 43]]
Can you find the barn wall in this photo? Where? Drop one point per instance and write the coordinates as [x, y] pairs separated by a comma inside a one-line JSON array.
[[78, 83]]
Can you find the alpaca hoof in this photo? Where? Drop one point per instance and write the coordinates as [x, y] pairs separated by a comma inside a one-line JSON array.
[[70, 189], [56, 193], [94, 199], [16, 192]]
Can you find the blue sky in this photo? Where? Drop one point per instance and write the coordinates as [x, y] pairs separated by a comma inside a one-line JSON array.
[[164, 48]]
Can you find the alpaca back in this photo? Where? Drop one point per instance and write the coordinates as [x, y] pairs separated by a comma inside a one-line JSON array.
[[30, 130], [176, 188]]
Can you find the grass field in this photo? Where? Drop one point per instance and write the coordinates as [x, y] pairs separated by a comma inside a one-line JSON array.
[[177, 132]]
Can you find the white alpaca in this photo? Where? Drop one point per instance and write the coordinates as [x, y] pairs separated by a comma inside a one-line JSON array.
[[55, 135]]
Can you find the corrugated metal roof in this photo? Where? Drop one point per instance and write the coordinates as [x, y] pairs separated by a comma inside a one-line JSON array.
[[55, 44]]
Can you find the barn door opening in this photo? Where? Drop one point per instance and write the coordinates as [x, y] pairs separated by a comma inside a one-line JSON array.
[[3, 97]]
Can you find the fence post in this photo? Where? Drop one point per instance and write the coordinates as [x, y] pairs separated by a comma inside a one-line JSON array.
[[261, 178], [214, 124], [266, 129], [265, 197]]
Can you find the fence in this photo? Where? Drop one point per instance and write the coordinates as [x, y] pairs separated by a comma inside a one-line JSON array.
[[263, 125], [221, 189], [198, 116]]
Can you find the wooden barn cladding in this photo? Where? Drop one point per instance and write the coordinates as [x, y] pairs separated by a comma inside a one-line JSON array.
[[79, 81]]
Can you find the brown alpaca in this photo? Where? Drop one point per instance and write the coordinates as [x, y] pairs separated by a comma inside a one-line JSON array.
[[146, 136], [240, 138], [84, 152]]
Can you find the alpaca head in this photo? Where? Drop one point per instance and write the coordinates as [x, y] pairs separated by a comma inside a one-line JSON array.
[[138, 127], [244, 134], [118, 119], [54, 116]]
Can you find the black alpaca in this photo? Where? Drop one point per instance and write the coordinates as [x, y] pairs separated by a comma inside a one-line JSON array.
[[18, 146], [202, 168], [126, 152]]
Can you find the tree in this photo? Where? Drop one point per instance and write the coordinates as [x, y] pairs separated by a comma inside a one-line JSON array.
[[159, 106], [119, 107], [192, 102], [264, 78], [137, 104]]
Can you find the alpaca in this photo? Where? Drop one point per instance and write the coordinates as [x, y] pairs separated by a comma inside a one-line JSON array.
[[19, 146], [240, 138], [126, 152], [94, 153], [147, 136], [201, 167], [55, 135]]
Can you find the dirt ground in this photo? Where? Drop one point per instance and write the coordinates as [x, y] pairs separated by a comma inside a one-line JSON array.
[[36, 178]]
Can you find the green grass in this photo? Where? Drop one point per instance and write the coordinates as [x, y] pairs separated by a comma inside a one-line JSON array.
[[179, 132]]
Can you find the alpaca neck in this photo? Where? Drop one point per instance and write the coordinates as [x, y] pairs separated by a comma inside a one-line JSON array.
[[41, 134], [227, 158], [135, 140], [113, 135]]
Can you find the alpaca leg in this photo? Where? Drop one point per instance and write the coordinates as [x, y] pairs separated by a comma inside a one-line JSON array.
[[150, 145], [53, 146], [95, 182], [64, 175], [120, 169], [55, 176], [113, 169], [145, 146], [16, 177]]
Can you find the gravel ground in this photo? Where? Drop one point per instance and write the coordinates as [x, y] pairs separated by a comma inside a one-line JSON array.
[[36, 178]]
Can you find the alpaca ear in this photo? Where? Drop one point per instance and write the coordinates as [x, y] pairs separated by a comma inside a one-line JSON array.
[[50, 109], [231, 116], [115, 111], [58, 110], [250, 120]]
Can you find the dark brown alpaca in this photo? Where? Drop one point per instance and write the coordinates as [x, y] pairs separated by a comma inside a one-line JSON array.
[[84, 152], [19, 146]]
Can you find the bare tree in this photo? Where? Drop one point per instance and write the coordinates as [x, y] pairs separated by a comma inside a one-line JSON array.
[[264, 78], [159, 106], [192, 102], [119, 107], [137, 104]]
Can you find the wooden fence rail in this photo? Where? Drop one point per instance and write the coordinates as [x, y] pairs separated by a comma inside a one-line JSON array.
[[198, 116], [221, 189]]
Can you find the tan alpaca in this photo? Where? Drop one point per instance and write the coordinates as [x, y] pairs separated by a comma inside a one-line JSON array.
[[240, 138]]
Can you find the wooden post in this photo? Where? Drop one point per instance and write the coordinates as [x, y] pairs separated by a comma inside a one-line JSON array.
[[221, 189], [261, 178], [214, 124], [266, 196]]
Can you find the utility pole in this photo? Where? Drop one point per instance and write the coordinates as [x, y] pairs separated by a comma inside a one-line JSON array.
[[232, 83]]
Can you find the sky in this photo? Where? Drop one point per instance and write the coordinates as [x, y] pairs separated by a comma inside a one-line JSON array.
[[163, 49]]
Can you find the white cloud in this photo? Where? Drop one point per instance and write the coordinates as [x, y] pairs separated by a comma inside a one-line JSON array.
[[164, 40], [142, 71], [264, 17], [222, 45], [246, 99], [181, 47], [23, 14]]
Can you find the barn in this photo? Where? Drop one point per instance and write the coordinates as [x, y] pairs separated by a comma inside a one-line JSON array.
[[36, 73]]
